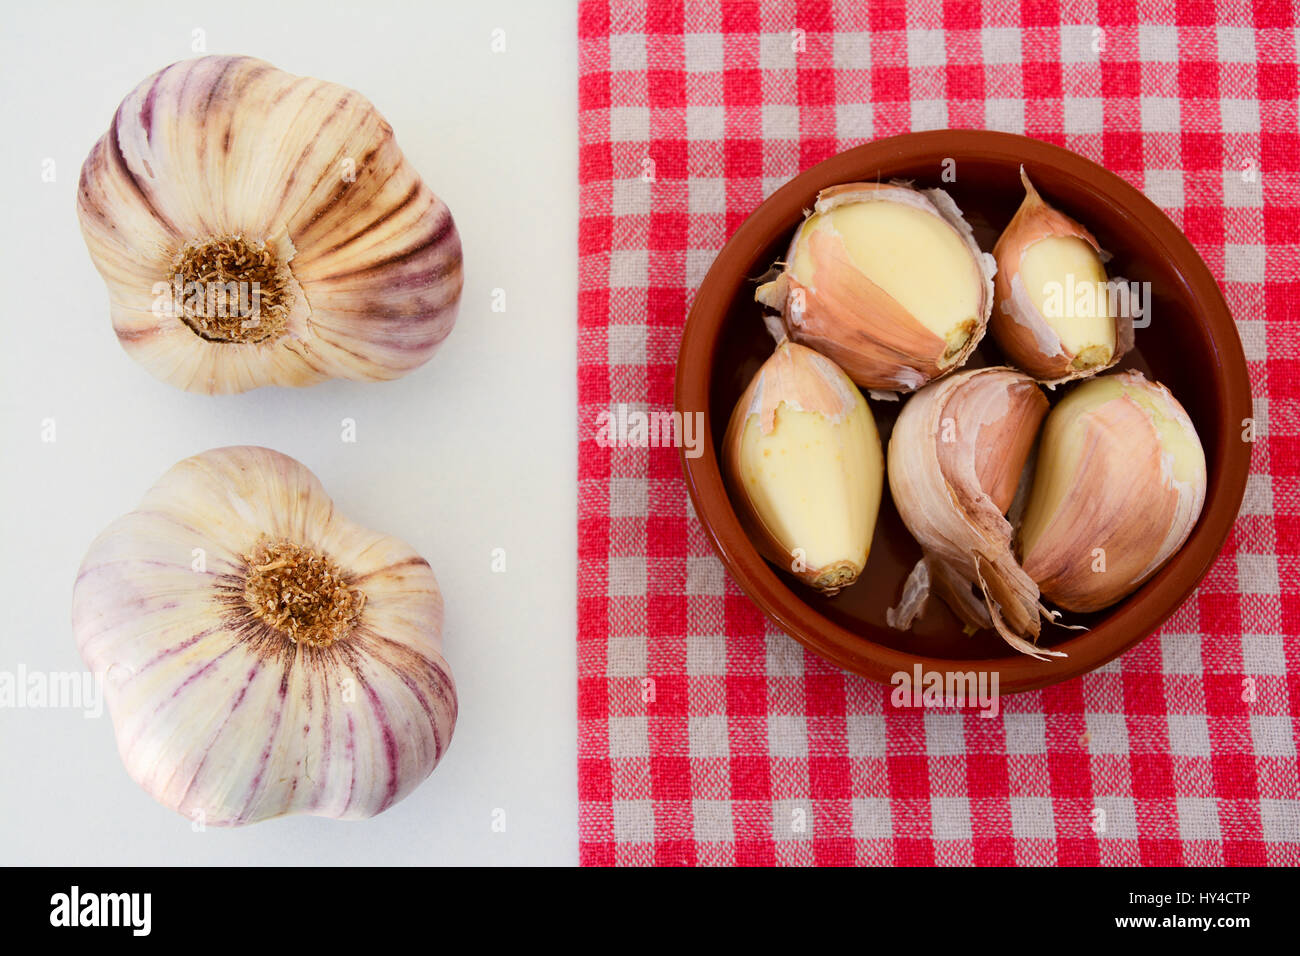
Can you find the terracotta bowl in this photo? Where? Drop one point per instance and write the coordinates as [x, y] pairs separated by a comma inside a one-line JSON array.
[[1191, 346]]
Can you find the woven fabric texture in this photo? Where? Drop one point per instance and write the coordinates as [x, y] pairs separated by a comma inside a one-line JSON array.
[[706, 736]]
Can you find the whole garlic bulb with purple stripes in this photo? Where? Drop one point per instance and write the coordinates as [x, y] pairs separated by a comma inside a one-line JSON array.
[[260, 654], [260, 228]]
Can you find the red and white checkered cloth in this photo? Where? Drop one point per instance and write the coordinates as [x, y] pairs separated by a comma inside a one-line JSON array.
[[707, 736]]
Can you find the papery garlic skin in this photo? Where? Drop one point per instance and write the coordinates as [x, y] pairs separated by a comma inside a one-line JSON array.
[[1119, 485], [956, 455], [803, 461], [887, 281], [221, 715], [230, 153], [1060, 336]]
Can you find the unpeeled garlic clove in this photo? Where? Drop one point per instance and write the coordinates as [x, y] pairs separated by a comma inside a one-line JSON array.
[[1052, 314], [1119, 484], [887, 281], [956, 457], [802, 459]]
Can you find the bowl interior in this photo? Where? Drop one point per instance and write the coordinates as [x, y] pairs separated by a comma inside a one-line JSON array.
[[1184, 348]]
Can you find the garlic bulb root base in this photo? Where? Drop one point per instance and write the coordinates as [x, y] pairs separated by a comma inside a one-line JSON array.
[[831, 580], [301, 593], [1094, 356], [231, 289], [956, 339]]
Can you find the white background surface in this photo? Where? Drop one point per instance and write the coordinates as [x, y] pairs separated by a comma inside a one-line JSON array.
[[474, 451]]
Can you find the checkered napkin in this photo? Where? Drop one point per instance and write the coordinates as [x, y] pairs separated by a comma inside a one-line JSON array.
[[706, 736]]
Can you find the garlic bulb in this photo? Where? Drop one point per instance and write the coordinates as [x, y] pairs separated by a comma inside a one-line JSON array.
[[802, 458], [1119, 485], [887, 281], [262, 655], [956, 457], [259, 228], [1053, 315]]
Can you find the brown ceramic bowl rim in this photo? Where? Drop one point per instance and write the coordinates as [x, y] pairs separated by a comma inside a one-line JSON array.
[[1132, 621]]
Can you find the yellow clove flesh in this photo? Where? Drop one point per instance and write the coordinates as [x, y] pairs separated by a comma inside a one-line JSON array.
[[802, 459]]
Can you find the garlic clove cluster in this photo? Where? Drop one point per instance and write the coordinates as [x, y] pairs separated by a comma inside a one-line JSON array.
[[1119, 485], [1052, 316], [885, 285], [956, 459], [803, 460], [262, 655], [887, 281], [259, 228]]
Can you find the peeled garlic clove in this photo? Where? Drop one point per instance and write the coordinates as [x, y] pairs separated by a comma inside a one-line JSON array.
[[956, 455], [1052, 315], [802, 458], [260, 654], [259, 228], [887, 281], [1119, 485]]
